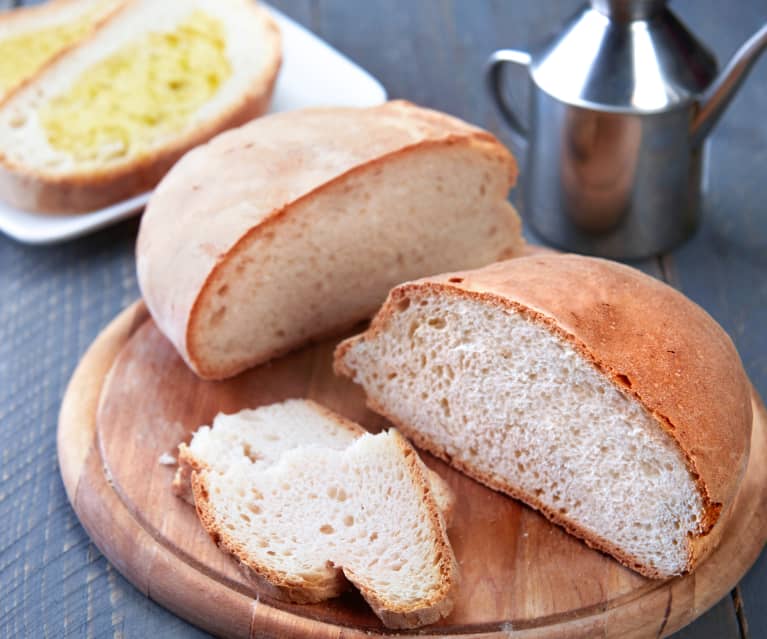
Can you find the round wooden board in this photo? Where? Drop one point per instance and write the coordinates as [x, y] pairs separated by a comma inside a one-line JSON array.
[[132, 399]]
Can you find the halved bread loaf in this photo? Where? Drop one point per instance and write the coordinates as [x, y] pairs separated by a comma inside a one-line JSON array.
[[319, 515], [110, 116], [265, 433], [590, 391], [30, 37], [297, 224]]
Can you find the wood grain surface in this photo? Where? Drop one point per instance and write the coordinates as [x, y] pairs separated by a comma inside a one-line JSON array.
[[132, 399], [55, 300]]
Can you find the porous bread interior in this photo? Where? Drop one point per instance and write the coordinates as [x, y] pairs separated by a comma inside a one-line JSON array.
[[320, 509], [262, 435], [330, 261], [23, 140], [514, 402], [265, 433]]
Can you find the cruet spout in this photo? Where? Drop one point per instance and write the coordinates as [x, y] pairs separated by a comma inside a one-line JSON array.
[[715, 99]]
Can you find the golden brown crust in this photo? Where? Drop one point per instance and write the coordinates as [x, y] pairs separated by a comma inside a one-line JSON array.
[[356, 140], [648, 339], [86, 191]]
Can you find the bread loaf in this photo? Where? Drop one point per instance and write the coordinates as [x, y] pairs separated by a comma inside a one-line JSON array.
[[592, 392], [318, 516], [265, 433], [297, 224], [111, 115]]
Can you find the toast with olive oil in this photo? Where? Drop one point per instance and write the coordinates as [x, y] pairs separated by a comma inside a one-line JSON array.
[[108, 117], [30, 37]]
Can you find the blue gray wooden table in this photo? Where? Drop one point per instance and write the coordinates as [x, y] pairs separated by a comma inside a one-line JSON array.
[[55, 300]]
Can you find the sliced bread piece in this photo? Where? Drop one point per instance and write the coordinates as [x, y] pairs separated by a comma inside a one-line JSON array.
[[264, 434], [110, 116], [297, 224], [30, 37], [590, 391], [320, 514]]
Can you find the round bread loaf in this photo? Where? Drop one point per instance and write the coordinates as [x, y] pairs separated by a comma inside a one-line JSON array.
[[296, 225], [596, 394]]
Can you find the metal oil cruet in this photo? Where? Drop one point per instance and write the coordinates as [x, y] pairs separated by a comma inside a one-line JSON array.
[[621, 103]]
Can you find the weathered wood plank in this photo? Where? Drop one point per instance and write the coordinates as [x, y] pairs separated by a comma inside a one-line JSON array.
[[718, 623], [53, 582]]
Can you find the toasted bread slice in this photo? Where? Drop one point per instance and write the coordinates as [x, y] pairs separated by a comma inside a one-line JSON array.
[[30, 37], [110, 116], [264, 434], [319, 516]]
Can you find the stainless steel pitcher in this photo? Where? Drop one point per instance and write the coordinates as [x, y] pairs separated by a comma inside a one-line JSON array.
[[620, 105]]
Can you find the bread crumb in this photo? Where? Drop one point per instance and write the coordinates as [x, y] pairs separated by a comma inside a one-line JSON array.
[[166, 459]]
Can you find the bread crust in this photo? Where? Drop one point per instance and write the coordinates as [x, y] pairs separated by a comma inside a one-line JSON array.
[[390, 130], [650, 341], [277, 217], [84, 191], [289, 588]]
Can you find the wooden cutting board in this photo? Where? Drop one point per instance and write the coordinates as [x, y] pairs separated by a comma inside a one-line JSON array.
[[132, 399]]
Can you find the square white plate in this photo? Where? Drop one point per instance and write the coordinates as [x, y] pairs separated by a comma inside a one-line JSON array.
[[312, 74]]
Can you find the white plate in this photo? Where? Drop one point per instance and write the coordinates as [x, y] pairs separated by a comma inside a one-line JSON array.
[[312, 74]]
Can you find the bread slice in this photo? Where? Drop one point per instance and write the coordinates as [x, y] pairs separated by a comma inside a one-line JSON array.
[[30, 37], [592, 392], [265, 433], [296, 225], [320, 515], [109, 117]]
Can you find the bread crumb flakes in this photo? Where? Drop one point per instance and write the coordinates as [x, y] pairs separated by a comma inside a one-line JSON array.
[[166, 459]]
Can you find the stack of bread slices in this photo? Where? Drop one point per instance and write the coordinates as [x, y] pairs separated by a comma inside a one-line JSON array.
[[309, 503], [99, 98], [592, 392]]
